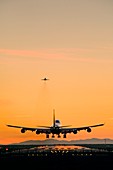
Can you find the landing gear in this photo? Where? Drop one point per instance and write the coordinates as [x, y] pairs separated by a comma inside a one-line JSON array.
[[53, 136], [47, 135], [64, 136], [59, 136]]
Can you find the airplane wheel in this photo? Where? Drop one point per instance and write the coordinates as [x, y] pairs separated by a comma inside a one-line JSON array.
[[47, 135], [64, 136]]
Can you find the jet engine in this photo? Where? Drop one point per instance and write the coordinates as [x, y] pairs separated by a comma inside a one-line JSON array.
[[75, 131], [88, 129], [23, 130], [37, 132]]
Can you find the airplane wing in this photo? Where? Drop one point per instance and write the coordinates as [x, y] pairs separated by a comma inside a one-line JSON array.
[[38, 130], [86, 127], [22, 127], [74, 130], [48, 130]]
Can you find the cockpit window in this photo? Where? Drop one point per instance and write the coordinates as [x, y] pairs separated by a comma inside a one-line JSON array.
[[57, 121]]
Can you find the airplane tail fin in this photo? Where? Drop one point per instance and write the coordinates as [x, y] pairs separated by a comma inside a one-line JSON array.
[[53, 117]]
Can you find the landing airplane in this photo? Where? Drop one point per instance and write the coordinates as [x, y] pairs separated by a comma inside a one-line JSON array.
[[55, 129], [45, 79]]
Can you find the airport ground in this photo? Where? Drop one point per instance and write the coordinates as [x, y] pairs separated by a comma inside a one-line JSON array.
[[47, 157]]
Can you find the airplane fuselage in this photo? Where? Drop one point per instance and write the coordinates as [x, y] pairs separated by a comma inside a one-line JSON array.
[[55, 130]]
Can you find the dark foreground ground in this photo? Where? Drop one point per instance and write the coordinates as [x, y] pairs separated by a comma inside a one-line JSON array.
[[57, 160]]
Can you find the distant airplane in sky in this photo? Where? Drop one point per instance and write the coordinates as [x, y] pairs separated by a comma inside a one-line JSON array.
[[55, 129], [45, 79]]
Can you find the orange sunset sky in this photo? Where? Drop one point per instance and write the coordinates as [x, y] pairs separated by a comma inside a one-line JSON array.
[[71, 43]]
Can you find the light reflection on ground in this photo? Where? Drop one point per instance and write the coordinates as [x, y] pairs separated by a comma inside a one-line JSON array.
[[68, 147], [61, 147]]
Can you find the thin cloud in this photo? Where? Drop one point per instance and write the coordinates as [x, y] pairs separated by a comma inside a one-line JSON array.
[[45, 53], [71, 54]]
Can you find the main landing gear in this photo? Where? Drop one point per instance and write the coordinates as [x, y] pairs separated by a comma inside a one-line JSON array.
[[47, 135], [64, 135]]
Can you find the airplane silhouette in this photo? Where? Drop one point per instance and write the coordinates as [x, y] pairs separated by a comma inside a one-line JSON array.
[[45, 79], [55, 129]]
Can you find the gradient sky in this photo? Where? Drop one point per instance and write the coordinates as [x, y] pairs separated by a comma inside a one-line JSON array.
[[71, 43]]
